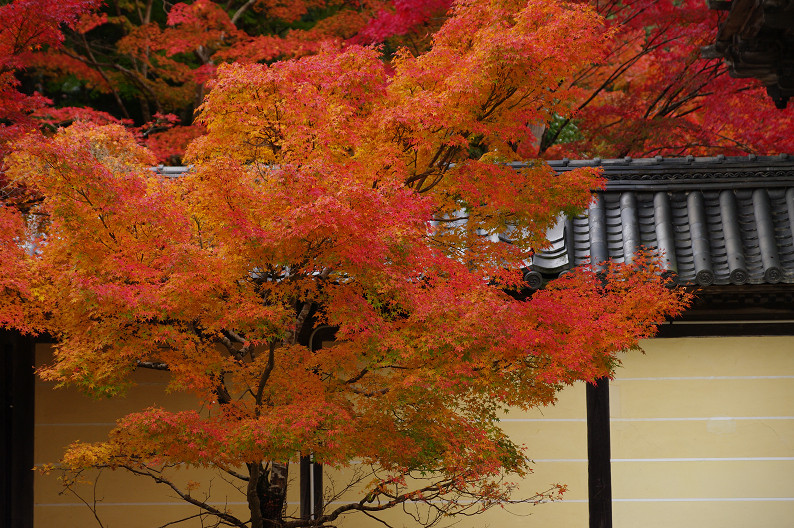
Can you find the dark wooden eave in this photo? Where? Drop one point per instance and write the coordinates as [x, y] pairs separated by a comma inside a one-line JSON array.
[[756, 39], [724, 227]]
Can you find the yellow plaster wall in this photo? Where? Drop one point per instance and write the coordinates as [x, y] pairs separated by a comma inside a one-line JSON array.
[[64, 416], [702, 435]]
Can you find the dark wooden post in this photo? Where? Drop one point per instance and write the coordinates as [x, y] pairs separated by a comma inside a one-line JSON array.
[[311, 488], [305, 484], [311, 473], [16, 429], [599, 471]]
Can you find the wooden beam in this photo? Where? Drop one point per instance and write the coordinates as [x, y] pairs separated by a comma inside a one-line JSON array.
[[305, 486], [599, 471]]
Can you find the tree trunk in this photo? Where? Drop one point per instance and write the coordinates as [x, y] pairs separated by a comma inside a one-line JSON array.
[[267, 493], [146, 111]]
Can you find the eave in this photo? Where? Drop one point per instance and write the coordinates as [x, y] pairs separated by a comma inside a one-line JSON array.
[[723, 227], [756, 39]]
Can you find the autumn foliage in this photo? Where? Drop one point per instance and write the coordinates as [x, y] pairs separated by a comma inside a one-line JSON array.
[[652, 93], [129, 62], [331, 190], [28, 27]]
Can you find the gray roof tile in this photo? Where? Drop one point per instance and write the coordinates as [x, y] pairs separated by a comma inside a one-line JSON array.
[[720, 220]]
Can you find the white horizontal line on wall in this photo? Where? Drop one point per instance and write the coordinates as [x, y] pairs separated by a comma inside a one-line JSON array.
[[712, 499], [229, 503], [690, 499], [682, 419], [116, 504], [707, 459], [701, 418], [746, 321], [563, 501], [578, 460], [542, 419], [707, 378], [690, 459]]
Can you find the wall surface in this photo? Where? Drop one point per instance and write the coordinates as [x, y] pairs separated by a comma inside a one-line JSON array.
[[122, 501], [702, 435]]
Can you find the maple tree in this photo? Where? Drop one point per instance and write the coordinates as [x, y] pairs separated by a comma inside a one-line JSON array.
[[653, 93], [28, 26], [336, 190], [146, 62], [147, 58]]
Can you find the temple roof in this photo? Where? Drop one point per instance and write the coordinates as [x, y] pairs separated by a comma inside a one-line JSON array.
[[715, 221]]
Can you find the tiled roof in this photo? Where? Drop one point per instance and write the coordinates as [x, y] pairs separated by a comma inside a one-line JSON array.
[[720, 221], [716, 221]]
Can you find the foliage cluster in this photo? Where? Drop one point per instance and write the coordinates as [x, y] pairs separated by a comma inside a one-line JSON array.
[[149, 63], [333, 189]]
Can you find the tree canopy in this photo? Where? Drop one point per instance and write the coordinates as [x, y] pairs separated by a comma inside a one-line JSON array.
[[653, 94], [334, 189], [147, 64]]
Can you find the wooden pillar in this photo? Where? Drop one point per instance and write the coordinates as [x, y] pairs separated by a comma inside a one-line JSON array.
[[16, 429], [311, 473], [599, 470]]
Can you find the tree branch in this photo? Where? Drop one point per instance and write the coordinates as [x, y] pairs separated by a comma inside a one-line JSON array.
[[232, 520], [271, 361], [241, 11], [152, 365], [255, 470]]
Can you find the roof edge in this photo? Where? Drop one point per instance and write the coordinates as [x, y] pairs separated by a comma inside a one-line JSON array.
[[660, 173]]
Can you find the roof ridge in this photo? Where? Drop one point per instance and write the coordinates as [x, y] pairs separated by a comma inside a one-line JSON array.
[[718, 160]]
